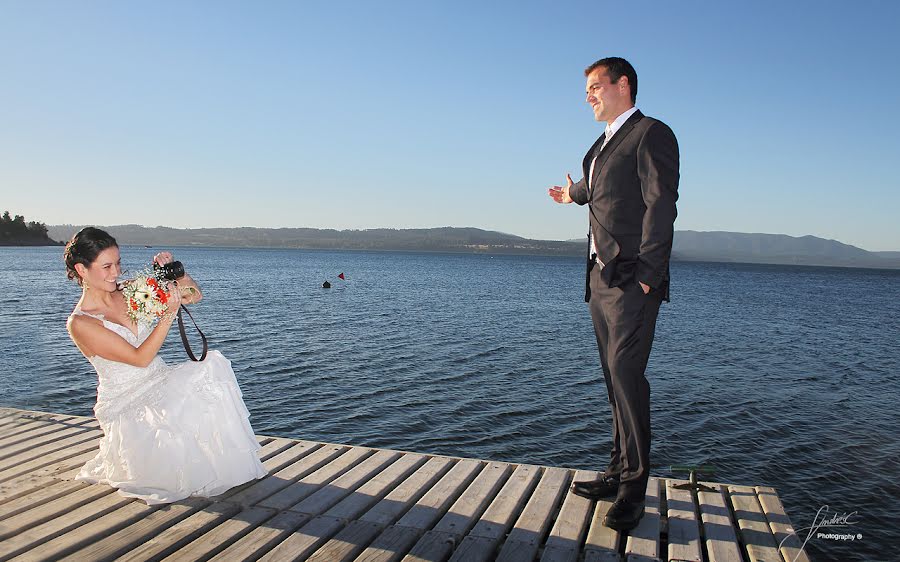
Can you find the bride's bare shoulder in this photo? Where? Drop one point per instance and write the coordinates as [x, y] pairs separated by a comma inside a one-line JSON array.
[[76, 321]]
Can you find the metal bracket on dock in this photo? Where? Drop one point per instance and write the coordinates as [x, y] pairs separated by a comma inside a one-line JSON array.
[[693, 484]]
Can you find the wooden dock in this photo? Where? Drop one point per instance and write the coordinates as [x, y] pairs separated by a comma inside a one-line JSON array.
[[329, 503]]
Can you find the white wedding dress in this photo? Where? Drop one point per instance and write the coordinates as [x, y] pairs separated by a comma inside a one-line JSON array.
[[170, 432]]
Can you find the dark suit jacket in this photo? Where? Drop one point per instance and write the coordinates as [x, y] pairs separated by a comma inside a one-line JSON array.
[[632, 203]]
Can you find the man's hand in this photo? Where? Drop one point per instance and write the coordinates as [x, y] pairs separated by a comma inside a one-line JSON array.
[[561, 194], [645, 288]]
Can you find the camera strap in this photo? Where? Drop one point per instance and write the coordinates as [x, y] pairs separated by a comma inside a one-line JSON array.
[[184, 339]]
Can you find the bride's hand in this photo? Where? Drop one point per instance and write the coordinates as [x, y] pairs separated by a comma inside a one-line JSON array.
[[173, 296], [163, 258]]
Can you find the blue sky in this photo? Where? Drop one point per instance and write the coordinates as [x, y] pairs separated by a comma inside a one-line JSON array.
[[423, 114]]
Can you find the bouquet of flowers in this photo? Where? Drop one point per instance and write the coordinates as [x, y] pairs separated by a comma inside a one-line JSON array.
[[145, 297]]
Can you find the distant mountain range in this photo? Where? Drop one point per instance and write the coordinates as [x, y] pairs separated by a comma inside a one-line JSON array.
[[689, 245]]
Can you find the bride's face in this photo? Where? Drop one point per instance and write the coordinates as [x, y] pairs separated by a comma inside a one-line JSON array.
[[103, 272]]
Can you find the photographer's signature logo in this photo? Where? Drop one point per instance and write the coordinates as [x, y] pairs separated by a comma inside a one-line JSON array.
[[828, 521]]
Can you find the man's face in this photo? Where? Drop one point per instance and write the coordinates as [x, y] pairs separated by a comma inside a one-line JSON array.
[[605, 97]]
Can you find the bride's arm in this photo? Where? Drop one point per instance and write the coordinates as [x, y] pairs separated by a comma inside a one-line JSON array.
[[92, 338], [190, 291]]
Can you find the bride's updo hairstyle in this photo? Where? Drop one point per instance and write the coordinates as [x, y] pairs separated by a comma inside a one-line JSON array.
[[84, 248]]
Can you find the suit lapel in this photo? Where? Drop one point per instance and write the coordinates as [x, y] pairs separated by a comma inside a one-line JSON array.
[[614, 142], [617, 138]]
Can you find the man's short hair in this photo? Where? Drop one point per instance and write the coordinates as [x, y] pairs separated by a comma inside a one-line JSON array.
[[617, 67]]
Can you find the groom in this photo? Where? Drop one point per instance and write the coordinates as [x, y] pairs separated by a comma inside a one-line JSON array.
[[630, 185]]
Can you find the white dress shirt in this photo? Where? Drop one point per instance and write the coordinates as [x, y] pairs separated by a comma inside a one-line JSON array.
[[611, 129]]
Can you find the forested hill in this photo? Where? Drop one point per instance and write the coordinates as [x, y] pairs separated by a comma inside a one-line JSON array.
[[14, 231], [688, 245], [423, 239]]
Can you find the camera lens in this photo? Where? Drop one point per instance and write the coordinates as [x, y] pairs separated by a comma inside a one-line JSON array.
[[171, 271]]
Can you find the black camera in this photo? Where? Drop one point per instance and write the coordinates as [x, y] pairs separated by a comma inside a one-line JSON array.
[[170, 271]]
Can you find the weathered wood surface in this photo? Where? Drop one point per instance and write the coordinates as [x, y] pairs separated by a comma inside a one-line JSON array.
[[331, 503]]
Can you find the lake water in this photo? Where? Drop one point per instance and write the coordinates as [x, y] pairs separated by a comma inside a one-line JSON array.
[[776, 375]]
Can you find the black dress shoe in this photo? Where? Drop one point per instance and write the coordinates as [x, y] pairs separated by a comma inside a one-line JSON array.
[[603, 487], [624, 515]]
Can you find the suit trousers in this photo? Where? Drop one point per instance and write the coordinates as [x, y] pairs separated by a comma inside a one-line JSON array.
[[624, 322]]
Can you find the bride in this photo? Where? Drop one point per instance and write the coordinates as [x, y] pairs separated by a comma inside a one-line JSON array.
[[169, 431]]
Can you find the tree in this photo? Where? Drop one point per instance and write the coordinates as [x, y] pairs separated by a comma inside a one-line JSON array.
[[15, 231]]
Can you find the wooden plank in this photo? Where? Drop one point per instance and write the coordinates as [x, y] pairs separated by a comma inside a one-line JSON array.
[[304, 541], [286, 457], [33, 428], [91, 529], [602, 543], [27, 537], [221, 536], [22, 420], [20, 412], [43, 456], [395, 504], [644, 540], [721, 540], [262, 538], [48, 511], [166, 542], [314, 481], [434, 545], [7, 413], [66, 466], [376, 487], [439, 542], [391, 545], [475, 549], [396, 541], [501, 514], [348, 543], [328, 496], [48, 444], [526, 535], [11, 433], [294, 463], [357, 535], [684, 528], [754, 527], [474, 500], [438, 499], [8, 424], [780, 524], [68, 469], [366, 505], [602, 556], [112, 544], [45, 491], [44, 433], [273, 447], [482, 541], [22, 486], [564, 542]]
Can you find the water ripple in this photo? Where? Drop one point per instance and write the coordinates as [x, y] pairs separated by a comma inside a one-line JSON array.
[[793, 387]]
